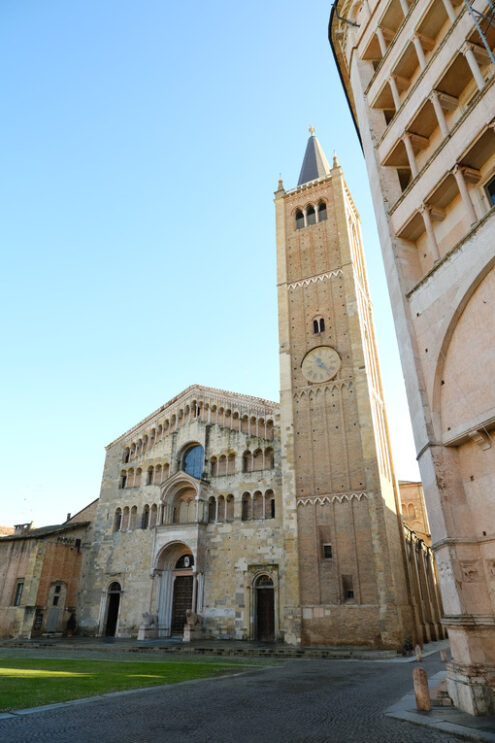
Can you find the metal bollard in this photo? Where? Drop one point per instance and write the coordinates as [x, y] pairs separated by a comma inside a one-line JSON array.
[[421, 689]]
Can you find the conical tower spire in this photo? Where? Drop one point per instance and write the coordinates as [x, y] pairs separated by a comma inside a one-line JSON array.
[[315, 164]]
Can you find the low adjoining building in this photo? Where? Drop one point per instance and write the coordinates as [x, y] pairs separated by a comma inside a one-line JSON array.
[[39, 575]]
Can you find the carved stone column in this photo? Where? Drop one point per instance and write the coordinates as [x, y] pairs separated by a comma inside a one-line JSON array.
[[458, 173], [200, 592], [395, 92], [419, 51], [449, 9], [381, 41], [432, 241], [165, 599], [410, 154], [468, 51], [437, 107]]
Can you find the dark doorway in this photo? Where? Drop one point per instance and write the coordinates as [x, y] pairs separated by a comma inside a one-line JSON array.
[[113, 603], [265, 609], [183, 586]]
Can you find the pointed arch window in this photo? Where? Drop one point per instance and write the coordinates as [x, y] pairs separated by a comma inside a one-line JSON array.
[[299, 220], [310, 215], [322, 211]]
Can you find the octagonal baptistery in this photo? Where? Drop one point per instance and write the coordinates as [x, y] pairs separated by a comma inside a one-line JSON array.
[[191, 530]]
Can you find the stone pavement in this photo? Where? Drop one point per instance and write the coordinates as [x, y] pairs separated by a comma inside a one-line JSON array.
[[297, 701], [175, 645], [447, 719]]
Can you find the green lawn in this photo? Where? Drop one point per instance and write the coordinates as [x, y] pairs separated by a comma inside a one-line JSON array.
[[29, 682]]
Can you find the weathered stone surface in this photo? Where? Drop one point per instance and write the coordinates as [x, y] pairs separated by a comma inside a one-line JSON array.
[[421, 689], [422, 94]]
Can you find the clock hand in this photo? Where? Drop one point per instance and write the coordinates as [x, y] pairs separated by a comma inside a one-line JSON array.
[[322, 365]]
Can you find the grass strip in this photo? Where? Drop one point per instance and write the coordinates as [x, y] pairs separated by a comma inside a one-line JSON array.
[[33, 682]]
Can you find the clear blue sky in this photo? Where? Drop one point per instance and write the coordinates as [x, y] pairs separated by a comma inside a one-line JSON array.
[[142, 143]]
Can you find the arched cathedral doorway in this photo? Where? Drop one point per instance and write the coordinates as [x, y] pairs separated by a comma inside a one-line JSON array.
[[177, 588], [265, 608], [183, 593], [113, 603]]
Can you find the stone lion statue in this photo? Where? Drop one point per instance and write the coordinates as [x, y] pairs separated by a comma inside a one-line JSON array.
[[192, 619], [149, 620]]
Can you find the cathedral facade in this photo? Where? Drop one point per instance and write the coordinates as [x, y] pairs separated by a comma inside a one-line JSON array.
[[192, 516], [228, 516]]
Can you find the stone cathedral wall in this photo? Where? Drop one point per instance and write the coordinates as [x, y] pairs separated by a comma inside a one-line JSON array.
[[231, 547]]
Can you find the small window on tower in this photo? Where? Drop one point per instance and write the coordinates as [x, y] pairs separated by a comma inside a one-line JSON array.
[[299, 220], [322, 211], [327, 551], [348, 589], [318, 325], [310, 215]]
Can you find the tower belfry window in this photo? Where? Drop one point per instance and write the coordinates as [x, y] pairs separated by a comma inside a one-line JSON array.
[[322, 211], [310, 215], [299, 220], [318, 325]]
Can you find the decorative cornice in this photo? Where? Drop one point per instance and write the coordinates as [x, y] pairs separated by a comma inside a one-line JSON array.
[[469, 620], [305, 500], [207, 395], [452, 541], [314, 279], [312, 390]]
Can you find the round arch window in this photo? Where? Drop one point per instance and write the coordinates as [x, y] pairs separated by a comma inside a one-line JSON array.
[[186, 561], [192, 461]]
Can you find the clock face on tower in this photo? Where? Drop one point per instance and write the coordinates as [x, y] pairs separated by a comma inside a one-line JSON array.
[[320, 364]]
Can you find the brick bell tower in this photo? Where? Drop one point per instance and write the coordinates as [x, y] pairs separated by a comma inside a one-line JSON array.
[[336, 457]]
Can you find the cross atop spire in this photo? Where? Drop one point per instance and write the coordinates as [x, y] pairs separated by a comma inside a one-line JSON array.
[[311, 130]]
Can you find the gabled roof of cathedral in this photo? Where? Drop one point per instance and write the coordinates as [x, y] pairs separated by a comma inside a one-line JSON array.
[[315, 164], [197, 390]]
